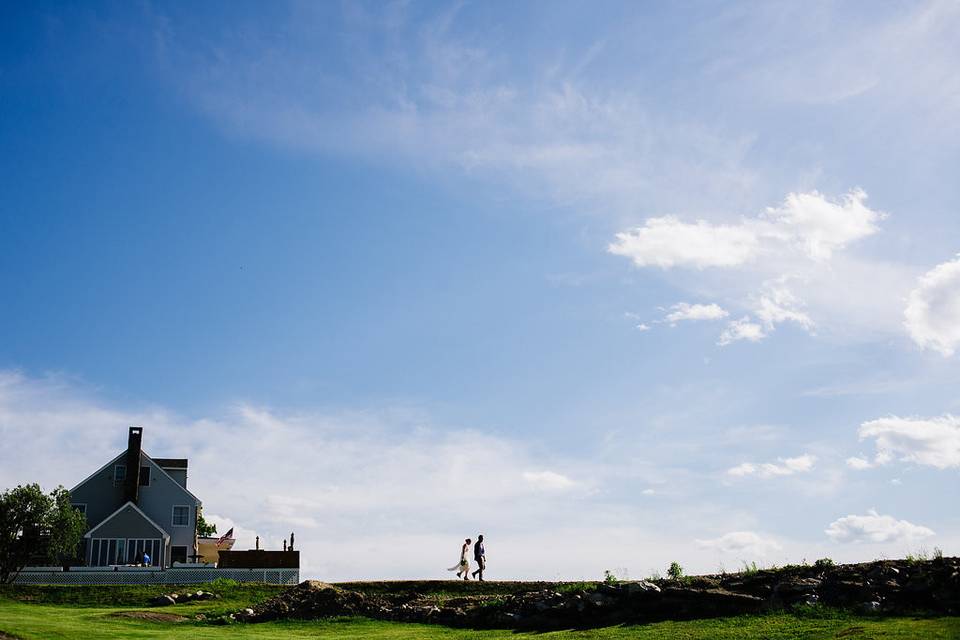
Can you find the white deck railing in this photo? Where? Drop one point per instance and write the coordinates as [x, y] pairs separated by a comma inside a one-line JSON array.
[[147, 575]]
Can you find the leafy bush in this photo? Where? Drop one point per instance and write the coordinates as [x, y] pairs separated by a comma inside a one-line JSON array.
[[824, 563], [750, 569], [34, 524], [224, 583], [574, 587], [675, 572], [609, 578]]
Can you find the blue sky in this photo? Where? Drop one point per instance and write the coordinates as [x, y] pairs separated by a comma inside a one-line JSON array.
[[654, 282]]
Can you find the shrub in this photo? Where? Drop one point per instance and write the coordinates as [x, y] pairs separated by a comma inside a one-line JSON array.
[[224, 583], [937, 553], [750, 569], [609, 578], [675, 572], [34, 524], [576, 587], [823, 563]]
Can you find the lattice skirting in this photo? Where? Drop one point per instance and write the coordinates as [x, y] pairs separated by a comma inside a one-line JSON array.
[[167, 576]]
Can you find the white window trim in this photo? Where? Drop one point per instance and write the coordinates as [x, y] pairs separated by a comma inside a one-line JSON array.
[[173, 513]]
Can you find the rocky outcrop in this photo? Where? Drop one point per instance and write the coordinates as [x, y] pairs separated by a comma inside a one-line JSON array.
[[179, 598], [878, 587]]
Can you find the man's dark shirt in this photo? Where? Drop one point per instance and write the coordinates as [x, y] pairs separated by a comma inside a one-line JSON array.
[[478, 551]]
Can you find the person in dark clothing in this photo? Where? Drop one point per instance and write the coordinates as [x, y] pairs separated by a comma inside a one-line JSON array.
[[480, 556]]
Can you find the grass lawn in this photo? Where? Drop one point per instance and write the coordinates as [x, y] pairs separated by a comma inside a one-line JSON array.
[[48, 621]]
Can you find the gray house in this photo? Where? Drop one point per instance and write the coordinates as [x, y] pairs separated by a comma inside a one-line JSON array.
[[136, 504]]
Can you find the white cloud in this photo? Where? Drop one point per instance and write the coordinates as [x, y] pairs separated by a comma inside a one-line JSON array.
[[933, 309], [355, 485], [742, 542], [642, 327], [777, 305], [874, 527], [434, 92], [351, 484], [684, 311], [808, 221], [858, 463], [819, 226], [667, 242], [933, 442], [783, 467], [785, 265], [548, 480], [742, 329]]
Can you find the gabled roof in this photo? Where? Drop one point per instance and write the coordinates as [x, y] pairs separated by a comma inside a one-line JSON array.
[[155, 462], [166, 536], [90, 477], [164, 472]]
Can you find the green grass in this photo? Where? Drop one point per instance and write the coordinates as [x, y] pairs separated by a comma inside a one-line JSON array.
[[232, 593], [30, 621]]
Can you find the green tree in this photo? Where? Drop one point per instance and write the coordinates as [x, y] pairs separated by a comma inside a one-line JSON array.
[[675, 572], [34, 524], [205, 529]]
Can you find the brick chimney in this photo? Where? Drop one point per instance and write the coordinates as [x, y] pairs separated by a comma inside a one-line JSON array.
[[131, 484]]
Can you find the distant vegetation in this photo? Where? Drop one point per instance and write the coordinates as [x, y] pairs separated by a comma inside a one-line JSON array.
[[35, 526]]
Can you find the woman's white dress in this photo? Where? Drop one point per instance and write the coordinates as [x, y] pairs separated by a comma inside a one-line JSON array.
[[463, 566]]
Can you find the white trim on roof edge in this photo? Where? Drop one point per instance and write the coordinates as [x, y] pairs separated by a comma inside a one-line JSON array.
[[90, 477], [166, 536], [146, 455]]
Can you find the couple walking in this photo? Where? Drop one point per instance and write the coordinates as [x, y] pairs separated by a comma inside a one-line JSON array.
[[463, 567]]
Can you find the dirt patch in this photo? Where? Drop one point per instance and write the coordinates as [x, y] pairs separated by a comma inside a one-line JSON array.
[[151, 616], [7, 636]]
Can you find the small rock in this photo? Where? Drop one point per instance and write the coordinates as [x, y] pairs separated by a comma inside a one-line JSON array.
[[869, 607], [641, 586], [164, 601]]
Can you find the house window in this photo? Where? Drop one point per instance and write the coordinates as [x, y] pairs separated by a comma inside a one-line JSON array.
[[178, 554], [81, 507], [181, 515], [119, 474], [144, 476]]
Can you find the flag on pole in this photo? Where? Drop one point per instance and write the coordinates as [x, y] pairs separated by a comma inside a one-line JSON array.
[[225, 537]]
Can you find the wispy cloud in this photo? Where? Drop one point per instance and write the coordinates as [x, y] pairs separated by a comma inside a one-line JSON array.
[[742, 543], [783, 467], [438, 93], [683, 311], [355, 484], [742, 329]]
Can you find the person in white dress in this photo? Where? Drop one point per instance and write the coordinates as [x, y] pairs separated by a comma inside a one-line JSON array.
[[463, 567]]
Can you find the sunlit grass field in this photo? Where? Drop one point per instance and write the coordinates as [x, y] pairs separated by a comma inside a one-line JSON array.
[[102, 612]]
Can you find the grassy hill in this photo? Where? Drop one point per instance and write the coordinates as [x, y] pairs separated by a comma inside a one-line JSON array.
[[92, 613]]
